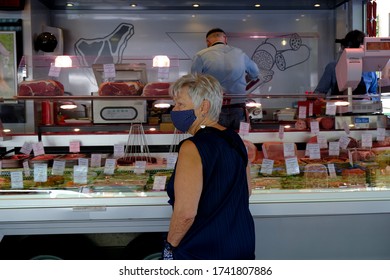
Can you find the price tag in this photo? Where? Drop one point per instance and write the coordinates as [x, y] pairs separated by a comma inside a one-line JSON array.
[[96, 160], [119, 151], [16, 180], [244, 129], [54, 71], [366, 140], [171, 161], [74, 146], [332, 170], [330, 109], [310, 109], [344, 141], [58, 167], [267, 166], [346, 127], [40, 172], [140, 167], [315, 127], [334, 148], [163, 73], [302, 112], [109, 71], [80, 174], [26, 148], [350, 157], [109, 166], [321, 139], [314, 150], [83, 161], [281, 132], [38, 149], [26, 169], [380, 134], [288, 150], [159, 183], [292, 166]]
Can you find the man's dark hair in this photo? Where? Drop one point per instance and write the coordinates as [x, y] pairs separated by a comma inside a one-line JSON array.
[[214, 30], [353, 39]]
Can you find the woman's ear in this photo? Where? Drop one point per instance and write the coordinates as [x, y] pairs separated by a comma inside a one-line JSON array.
[[205, 107]]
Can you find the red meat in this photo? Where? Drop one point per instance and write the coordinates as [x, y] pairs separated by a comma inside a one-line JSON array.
[[41, 88], [156, 89], [120, 88]]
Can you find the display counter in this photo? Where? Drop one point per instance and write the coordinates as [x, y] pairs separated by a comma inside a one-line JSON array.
[[319, 223]]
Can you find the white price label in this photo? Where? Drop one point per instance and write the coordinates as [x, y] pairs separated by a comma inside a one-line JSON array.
[[302, 112], [171, 161], [38, 149], [80, 174], [26, 148], [159, 183], [40, 172], [16, 180], [281, 131], [315, 127], [332, 170], [119, 151], [314, 150], [26, 168], [288, 150], [74, 146], [244, 129], [344, 141], [109, 166], [109, 71], [321, 140], [140, 167], [54, 71], [83, 161], [292, 166], [330, 109], [267, 166], [366, 140], [96, 160], [58, 167], [334, 148], [380, 134]]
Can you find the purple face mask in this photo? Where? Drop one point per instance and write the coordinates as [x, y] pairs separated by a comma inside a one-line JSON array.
[[183, 120]]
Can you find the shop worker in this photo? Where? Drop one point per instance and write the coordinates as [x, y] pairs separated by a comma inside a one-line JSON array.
[[209, 189], [232, 68], [328, 82]]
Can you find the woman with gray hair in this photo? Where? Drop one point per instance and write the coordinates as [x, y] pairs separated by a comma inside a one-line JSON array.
[[209, 189]]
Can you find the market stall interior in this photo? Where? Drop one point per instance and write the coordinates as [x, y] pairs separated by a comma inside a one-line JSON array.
[[93, 150]]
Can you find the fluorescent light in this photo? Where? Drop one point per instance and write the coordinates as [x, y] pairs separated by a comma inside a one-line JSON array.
[[63, 61], [161, 61]]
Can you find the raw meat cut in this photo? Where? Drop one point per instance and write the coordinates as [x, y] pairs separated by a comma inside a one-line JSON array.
[[41, 88], [120, 88], [156, 89]]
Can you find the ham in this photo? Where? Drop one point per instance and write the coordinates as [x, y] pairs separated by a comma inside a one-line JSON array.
[[251, 150], [156, 89], [120, 88], [41, 88]]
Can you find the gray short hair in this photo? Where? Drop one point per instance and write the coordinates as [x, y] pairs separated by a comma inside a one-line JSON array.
[[201, 87]]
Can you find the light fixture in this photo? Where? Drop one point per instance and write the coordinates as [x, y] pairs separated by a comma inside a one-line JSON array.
[[317, 5], [257, 5], [162, 104], [252, 103], [69, 4], [195, 5], [341, 103], [63, 61], [161, 61], [67, 105], [133, 5]]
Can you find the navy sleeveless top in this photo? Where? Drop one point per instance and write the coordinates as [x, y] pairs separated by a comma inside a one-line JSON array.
[[223, 227]]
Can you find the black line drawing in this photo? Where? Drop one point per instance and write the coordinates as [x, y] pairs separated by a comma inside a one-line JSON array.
[[267, 56], [105, 50]]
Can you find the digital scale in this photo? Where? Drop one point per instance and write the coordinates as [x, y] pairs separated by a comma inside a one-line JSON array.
[[361, 122], [120, 110]]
